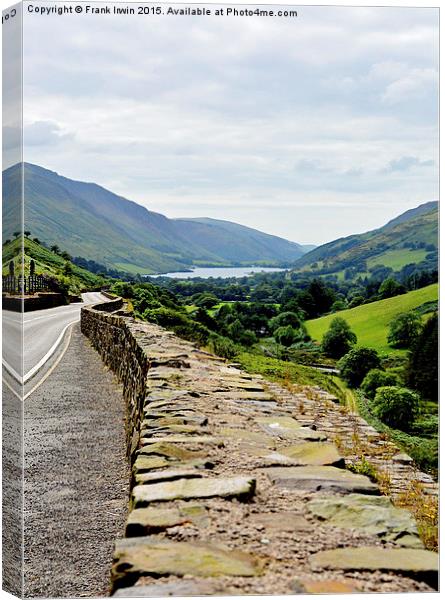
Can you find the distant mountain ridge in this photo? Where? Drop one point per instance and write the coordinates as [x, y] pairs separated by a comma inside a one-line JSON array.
[[94, 223], [415, 230]]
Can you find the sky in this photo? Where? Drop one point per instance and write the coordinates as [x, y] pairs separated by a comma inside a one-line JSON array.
[[310, 128]]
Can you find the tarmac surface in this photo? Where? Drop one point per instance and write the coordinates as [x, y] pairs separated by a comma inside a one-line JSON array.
[[76, 475]]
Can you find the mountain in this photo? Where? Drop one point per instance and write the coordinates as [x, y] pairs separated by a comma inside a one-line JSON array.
[[90, 221], [412, 237]]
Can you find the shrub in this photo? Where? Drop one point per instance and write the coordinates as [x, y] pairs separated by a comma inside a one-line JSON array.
[[222, 346], [356, 301], [338, 339], [355, 365], [284, 319], [377, 378], [395, 406], [404, 330], [286, 336]]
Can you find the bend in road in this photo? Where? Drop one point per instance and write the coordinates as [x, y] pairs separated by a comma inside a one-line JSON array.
[[43, 331]]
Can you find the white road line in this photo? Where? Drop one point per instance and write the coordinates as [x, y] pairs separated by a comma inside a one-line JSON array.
[[22, 380], [47, 317], [42, 361], [48, 373]]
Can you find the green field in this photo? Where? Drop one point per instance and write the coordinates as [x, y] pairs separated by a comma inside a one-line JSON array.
[[396, 259], [370, 321]]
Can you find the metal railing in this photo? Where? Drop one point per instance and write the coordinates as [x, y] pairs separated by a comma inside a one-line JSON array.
[[26, 285]]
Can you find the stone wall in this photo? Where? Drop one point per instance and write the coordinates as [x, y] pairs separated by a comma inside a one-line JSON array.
[[113, 337], [239, 485]]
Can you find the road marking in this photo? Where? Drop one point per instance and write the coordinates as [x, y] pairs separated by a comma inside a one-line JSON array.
[[53, 316], [23, 379], [49, 372], [42, 361]]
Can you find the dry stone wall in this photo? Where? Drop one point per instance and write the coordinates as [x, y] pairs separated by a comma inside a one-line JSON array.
[[239, 486]]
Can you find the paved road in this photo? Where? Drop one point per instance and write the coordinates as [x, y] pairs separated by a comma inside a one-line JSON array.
[[43, 331], [76, 476]]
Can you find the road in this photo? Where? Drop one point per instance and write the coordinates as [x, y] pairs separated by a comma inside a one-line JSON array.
[[43, 331]]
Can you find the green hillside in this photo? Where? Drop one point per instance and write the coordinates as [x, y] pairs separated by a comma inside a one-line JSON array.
[[50, 264], [90, 221], [411, 238], [370, 321]]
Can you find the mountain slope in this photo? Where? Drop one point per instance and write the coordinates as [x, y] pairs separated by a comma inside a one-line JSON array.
[[92, 222], [406, 239], [231, 240]]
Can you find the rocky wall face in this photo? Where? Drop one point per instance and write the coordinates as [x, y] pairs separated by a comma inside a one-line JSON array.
[[112, 337]]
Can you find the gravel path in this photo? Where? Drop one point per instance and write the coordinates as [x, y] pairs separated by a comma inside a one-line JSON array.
[[76, 477]]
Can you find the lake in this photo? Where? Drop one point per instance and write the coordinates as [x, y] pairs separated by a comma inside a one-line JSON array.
[[206, 272]]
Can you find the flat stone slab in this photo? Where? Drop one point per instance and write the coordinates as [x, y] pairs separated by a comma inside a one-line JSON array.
[[246, 436], [374, 558], [281, 521], [241, 488], [324, 586], [174, 588], [136, 557], [185, 439], [242, 395], [320, 478], [151, 430], [289, 428], [167, 475], [144, 521], [144, 463], [372, 514], [314, 453], [164, 447], [174, 419]]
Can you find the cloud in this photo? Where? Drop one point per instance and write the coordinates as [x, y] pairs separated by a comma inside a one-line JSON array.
[[191, 118], [415, 85], [406, 163], [45, 133]]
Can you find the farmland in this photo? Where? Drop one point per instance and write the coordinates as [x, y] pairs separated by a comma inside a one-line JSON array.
[[370, 321]]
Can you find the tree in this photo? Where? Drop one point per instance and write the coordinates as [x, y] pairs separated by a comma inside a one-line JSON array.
[[404, 330], [377, 378], [338, 305], [205, 300], [66, 255], [356, 301], [390, 287], [395, 406], [355, 365], [422, 373], [36, 240], [285, 336], [16, 234], [68, 269], [32, 268], [27, 233], [286, 318], [239, 334], [338, 339], [55, 248]]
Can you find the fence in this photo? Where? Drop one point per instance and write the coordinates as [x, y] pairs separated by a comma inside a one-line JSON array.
[[26, 285]]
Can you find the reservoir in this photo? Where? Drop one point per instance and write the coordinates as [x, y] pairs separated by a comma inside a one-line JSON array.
[[225, 272]]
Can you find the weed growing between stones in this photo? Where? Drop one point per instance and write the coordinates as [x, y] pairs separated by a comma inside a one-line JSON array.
[[384, 482], [363, 467], [425, 509]]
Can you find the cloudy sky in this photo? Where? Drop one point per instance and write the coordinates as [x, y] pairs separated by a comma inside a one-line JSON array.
[[310, 128]]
